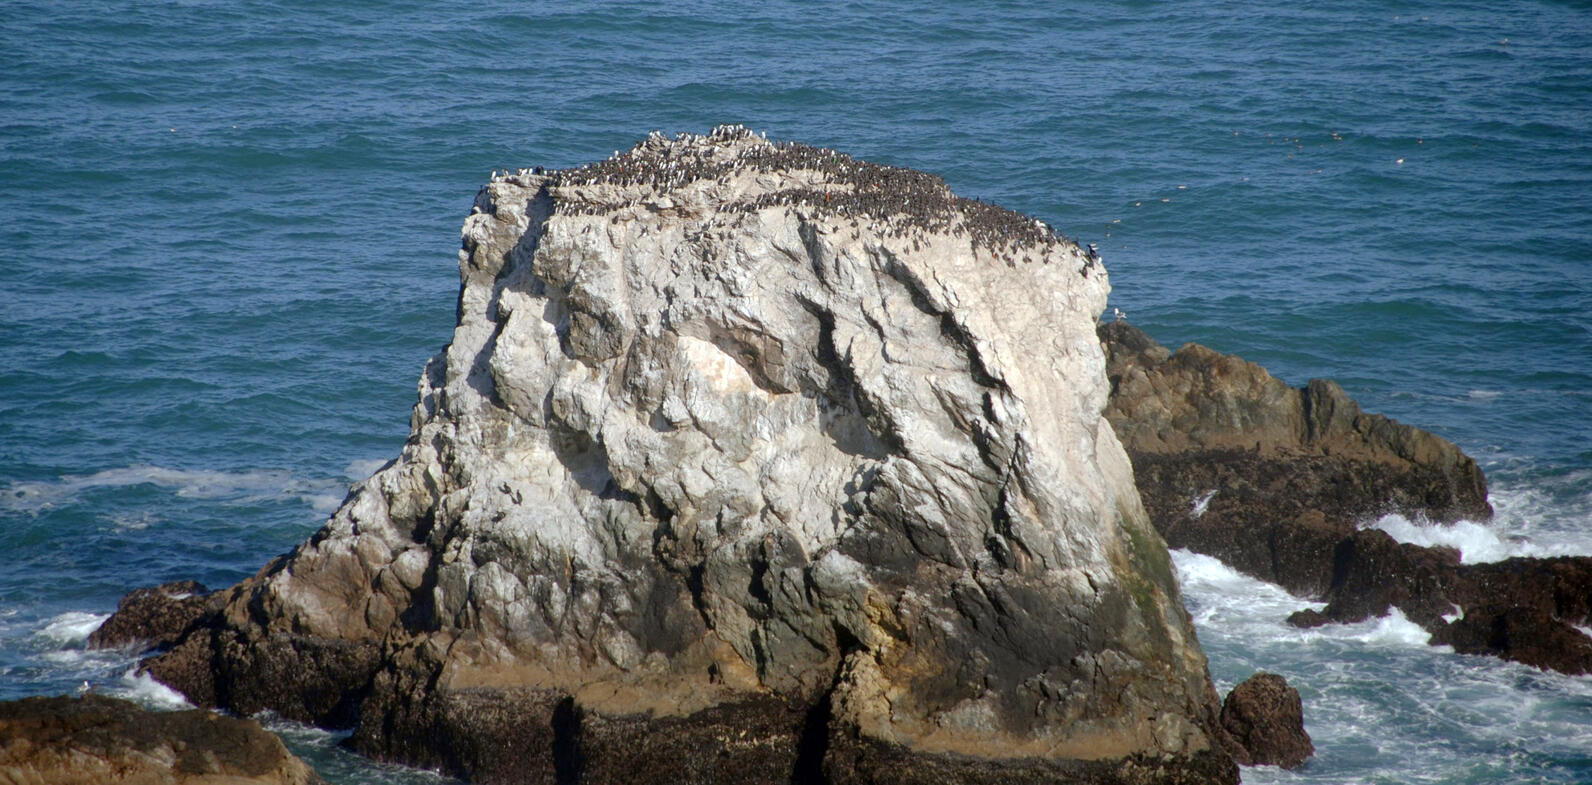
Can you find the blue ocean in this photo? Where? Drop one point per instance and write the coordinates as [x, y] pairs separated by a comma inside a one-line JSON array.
[[229, 234]]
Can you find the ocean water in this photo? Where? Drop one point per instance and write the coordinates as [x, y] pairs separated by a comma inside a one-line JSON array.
[[228, 237]]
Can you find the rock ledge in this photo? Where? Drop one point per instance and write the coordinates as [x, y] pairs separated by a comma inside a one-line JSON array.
[[69, 741]]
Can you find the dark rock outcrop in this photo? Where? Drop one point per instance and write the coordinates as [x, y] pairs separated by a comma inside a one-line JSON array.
[[1223, 451], [1265, 717], [747, 463], [1276, 481], [1528, 635], [305, 678], [97, 739], [154, 617]]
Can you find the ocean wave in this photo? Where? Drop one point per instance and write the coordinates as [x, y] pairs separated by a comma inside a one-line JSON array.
[[141, 688], [1540, 520], [1477, 543], [71, 628], [358, 470], [1219, 597], [245, 487], [1394, 630], [50, 655], [323, 749]]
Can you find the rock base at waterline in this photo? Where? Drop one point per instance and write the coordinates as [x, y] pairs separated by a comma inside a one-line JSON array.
[[103, 740], [1275, 481]]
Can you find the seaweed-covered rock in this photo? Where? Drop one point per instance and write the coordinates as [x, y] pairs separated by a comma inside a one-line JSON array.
[[98, 739], [153, 617], [1265, 717], [1225, 454], [1277, 481]]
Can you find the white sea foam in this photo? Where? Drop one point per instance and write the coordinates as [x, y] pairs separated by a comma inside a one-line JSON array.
[[1476, 542], [1554, 514], [1220, 598], [298, 731], [1525, 523], [1218, 595], [245, 487], [325, 503], [360, 469], [141, 688], [72, 628], [1208, 575], [1550, 517], [1391, 631], [126, 522]]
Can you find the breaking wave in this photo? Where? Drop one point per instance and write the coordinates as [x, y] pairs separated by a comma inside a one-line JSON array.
[[1533, 521]]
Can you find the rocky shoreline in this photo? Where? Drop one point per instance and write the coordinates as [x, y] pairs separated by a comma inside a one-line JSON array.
[[1276, 482]]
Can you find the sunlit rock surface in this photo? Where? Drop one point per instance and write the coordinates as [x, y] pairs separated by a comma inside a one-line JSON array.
[[746, 463]]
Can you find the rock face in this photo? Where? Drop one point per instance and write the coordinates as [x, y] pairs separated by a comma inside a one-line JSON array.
[[747, 463], [70, 741], [154, 617], [1275, 481], [1197, 421], [1266, 718]]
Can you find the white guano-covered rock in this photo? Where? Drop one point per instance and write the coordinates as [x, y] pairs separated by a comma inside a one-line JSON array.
[[727, 420]]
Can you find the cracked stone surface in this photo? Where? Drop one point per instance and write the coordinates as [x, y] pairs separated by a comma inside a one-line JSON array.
[[794, 460]]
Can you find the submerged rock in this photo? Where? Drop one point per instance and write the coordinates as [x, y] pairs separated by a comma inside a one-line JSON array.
[[1276, 481], [748, 462], [98, 739], [1265, 717]]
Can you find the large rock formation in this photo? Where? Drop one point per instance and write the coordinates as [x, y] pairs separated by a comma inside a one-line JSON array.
[[747, 463], [102, 740], [1276, 481]]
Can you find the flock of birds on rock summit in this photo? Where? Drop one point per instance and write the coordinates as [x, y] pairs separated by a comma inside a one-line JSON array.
[[892, 200]]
